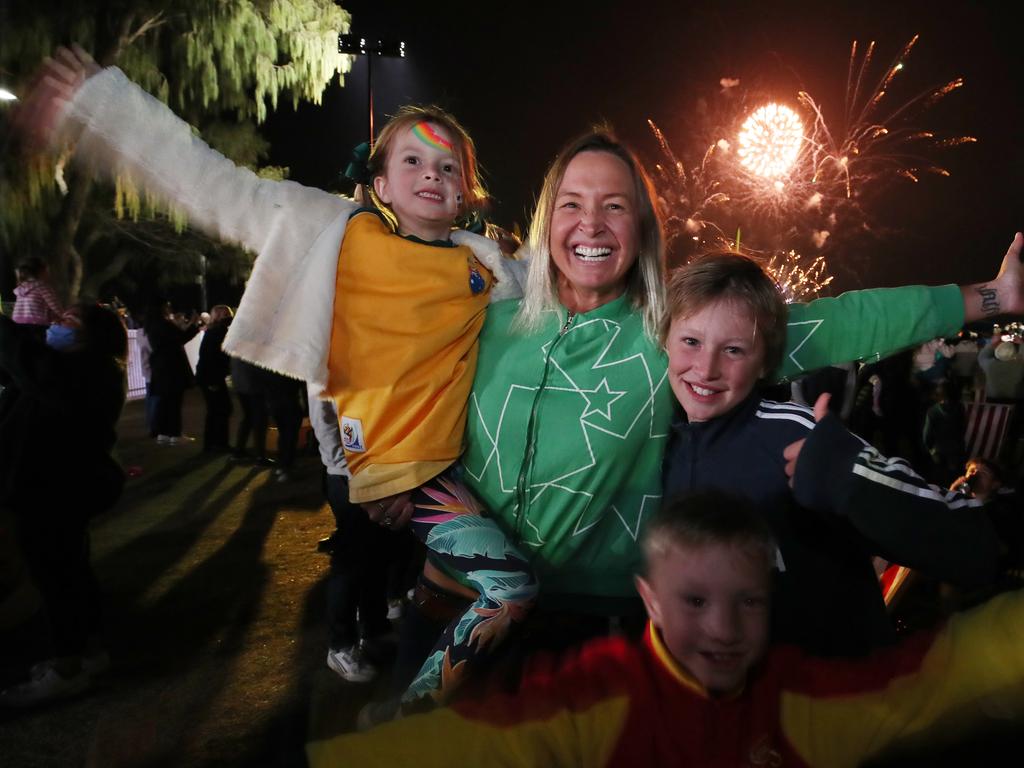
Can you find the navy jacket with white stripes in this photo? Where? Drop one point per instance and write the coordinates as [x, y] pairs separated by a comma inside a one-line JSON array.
[[827, 597]]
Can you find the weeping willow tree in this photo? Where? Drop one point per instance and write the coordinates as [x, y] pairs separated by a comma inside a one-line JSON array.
[[220, 64]]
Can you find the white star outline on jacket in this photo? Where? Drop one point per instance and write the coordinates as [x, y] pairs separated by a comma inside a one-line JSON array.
[[603, 408]]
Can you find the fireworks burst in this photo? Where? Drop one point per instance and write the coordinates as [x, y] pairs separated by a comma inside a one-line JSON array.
[[770, 141], [801, 183]]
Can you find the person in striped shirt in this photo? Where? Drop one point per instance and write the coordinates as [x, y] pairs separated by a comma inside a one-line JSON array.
[[36, 303]]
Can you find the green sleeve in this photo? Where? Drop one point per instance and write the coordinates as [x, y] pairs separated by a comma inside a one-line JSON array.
[[867, 325]]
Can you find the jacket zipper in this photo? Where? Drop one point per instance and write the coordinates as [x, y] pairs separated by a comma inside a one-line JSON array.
[[524, 470]]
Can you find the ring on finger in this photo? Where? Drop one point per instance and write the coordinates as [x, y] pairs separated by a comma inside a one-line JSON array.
[[387, 522]]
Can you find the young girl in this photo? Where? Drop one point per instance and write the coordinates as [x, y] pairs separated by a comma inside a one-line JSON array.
[[397, 354], [408, 308], [725, 332]]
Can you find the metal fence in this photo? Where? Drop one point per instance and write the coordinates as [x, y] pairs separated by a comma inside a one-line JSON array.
[[136, 384]]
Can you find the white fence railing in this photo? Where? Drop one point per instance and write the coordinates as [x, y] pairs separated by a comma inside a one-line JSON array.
[[136, 383]]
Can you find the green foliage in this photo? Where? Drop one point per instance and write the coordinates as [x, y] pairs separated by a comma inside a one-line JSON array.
[[220, 64]]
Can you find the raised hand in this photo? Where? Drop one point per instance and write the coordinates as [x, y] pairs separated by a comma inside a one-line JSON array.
[[1003, 296], [54, 85]]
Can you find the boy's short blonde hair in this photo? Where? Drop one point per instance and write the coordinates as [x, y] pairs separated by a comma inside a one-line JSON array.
[[474, 196], [706, 518], [728, 276]]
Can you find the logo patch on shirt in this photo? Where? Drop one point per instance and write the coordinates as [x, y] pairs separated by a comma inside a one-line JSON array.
[[352, 435], [477, 284]]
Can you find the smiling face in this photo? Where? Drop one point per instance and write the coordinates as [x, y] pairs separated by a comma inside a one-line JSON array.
[[422, 181], [594, 237], [715, 357], [711, 605]]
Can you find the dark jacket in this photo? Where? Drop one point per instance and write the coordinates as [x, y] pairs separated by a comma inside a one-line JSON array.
[[170, 371], [214, 364], [827, 598], [58, 417]]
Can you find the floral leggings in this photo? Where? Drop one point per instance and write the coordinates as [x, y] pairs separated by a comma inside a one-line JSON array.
[[449, 522]]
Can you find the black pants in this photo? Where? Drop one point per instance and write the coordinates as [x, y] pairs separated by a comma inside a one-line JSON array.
[[55, 545], [253, 421], [286, 408], [218, 414], [168, 413], [359, 563]]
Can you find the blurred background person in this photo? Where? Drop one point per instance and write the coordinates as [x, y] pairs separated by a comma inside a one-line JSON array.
[[945, 425], [170, 371], [247, 382], [58, 418], [212, 371], [284, 399]]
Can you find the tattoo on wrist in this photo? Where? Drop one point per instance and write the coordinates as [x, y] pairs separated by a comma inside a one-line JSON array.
[[989, 300]]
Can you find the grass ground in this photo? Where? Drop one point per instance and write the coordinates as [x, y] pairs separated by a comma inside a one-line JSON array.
[[213, 601]]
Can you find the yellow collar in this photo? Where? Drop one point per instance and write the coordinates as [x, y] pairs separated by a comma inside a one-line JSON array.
[[677, 670]]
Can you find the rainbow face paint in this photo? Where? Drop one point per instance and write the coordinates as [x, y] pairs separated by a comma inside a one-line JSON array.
[[425, 132]]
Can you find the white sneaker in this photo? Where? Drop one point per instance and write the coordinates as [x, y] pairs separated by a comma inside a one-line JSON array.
[[46, 683], [164, 440], [351, 665]]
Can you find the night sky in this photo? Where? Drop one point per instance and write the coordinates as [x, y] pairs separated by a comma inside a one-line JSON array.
[[524, 78]]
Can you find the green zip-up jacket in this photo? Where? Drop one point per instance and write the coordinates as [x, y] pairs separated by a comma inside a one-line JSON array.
[[567, 426]]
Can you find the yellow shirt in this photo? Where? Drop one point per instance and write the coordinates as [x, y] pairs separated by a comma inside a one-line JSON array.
[[407, 317]]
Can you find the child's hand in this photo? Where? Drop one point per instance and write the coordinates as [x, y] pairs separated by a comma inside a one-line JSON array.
[[54, 85], [392, 512], [792, 452]]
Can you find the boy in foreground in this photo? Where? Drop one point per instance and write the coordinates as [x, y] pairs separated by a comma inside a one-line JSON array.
[[703, 689]]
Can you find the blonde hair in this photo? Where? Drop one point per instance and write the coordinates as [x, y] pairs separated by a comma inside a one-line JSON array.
[[729, 276], [474, 196], [645, 279], [701, 519]]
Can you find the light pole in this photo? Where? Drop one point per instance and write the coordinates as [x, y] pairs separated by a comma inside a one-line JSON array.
[[360, 46]]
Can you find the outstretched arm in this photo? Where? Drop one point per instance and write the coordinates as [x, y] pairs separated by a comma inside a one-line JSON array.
[[867, 325], [965, 677], [121, 131], [861, 325]]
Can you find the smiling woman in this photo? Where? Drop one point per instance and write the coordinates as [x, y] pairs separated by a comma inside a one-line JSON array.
[[594, 222], [593, 230]]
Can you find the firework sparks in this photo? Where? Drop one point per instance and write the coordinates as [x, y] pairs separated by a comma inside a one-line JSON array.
[[876, 141], [688, 197], [796, 280]]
